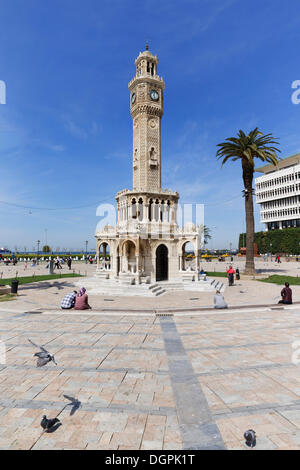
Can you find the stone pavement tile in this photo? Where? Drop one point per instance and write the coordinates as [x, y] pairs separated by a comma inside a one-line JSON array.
[[136, 424], [132, 440], [9, 430], [172, 422], [286, 440], [248, 389], [117, 423], [23, 443], [265, 425], [45, 443], [152, 445], [214, 402], [290, 379], [153, 432], [235, 445], [156, 420], [105, 438], [172, 436], [293, 416], [172, 446], [163, 400], [228, 431]]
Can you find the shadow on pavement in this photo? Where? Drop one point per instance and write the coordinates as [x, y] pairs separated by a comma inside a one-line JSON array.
[[45, 285]]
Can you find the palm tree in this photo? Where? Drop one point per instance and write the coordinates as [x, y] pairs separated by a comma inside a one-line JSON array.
[[246, 148], [207, 235]]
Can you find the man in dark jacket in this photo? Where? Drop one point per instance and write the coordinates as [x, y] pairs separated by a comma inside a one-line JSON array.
[[286, 295]]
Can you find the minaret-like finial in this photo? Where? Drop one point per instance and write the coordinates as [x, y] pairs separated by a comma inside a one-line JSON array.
[[147, 45]]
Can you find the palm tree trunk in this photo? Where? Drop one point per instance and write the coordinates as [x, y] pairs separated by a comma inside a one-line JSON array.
[[248, 180]]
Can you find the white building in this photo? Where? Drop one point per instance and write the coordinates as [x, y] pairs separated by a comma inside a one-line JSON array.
[[278, 193]]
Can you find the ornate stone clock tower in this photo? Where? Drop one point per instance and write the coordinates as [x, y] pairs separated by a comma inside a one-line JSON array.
[[146, 245], [146, 101]]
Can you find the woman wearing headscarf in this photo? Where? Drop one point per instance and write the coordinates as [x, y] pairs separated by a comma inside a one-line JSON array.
[[81, 301]]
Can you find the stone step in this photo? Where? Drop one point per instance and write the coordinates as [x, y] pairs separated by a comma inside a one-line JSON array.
[[160, 292]]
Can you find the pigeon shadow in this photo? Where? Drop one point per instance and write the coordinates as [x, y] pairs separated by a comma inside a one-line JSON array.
[[76, 404]]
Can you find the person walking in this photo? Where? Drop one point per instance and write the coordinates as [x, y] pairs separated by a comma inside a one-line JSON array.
[[237, 274], [286, 295], [230, 273], [81, 301], [69, 263], [219, 301]]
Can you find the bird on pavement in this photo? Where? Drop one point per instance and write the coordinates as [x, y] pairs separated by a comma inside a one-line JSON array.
[[48, 424], [43, 357], [250, 437]]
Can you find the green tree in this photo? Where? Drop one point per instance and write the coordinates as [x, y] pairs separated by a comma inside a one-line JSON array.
[[246, 148], [46, 249]]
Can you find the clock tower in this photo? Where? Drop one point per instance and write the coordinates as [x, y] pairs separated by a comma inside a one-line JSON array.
[[146, 107], [147, 244]]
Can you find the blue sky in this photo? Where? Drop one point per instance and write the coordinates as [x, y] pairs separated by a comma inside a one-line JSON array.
[[65, 130]]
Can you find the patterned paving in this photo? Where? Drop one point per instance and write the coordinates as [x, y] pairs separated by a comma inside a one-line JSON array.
[[150, 382]]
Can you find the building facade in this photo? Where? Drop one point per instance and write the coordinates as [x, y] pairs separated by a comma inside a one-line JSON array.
[[278, 194], [147, 245]]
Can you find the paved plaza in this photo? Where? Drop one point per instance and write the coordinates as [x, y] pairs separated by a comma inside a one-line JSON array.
[[247, 291], [195, 379], [189, 381]]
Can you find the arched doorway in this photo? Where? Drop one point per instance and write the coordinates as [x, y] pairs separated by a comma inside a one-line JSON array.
[[104, 256], [129, 260], [162, 265], [187, 256]]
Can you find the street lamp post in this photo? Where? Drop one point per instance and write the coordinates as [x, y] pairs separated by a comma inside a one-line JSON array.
[[271, 251], [38, 250], [86, 244]]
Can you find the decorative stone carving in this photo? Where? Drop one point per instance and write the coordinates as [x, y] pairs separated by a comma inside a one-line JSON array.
[[153, 157], [152, 123]]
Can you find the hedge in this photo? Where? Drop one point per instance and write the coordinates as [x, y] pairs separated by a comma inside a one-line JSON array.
[[286, 241]]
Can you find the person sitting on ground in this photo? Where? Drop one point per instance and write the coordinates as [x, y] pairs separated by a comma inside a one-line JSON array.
[[68, 301], [286, 295], [219, 301], [231, 273], [81, 301]]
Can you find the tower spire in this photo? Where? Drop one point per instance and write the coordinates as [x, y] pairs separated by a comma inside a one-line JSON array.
[[147, 45]]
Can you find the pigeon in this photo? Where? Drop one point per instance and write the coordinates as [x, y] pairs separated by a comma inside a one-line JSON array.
[[250, 437], [76, 404], [47, 424], [43, 357]]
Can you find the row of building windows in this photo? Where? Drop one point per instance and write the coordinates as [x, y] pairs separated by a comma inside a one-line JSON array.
[[280, 213], [279, 180], [279, 191], [287, 201], [283, 224]]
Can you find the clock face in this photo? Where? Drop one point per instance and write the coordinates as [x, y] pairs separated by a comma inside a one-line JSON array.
[[133, 98], [154, 95]]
